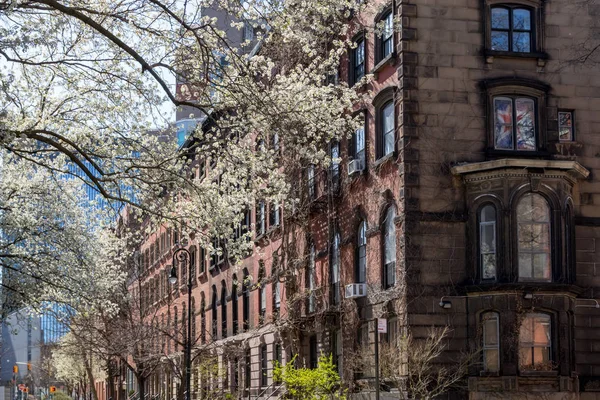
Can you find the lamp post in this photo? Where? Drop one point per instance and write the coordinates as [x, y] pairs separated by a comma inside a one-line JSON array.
[[182, 255]]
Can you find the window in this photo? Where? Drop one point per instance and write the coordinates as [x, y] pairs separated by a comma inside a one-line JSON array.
[[533, 234], [487, 242], [263, 366], [514, 130], [511, 29], [214, 312], [335, 269], [248, 369], [311, 182], [358, 61], [491, 342], [246, 300], [311, 280], [274, 215], [223, 310], [234, 304], [262, 293], [193, 264], [389, 248], [184, 322], [261, 221], [535, 343], [277, 355], [313, 352], [176, 329], [386, 41], [357, 149], [565, 126], [202, 260], [334, 168], [361, 253], [203, 320], [386, 128], [276, 296], [217, 255], [193, 320]]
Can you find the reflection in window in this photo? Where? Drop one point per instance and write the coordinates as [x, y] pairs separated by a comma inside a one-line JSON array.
[[387, 129], [361, 256], [387, 36], [533, 225], [514, 131], [389, 248], [357, 149], [487, 242], [491, 342], [535, 343], [565, 126], [358, 60], [511, 29]]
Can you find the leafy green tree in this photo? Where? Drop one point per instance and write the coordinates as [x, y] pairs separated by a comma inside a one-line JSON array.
[[320, 383]]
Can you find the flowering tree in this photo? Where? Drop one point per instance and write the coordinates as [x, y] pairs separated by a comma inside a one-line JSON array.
[[84, 81]]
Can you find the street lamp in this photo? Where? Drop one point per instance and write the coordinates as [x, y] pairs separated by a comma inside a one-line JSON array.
[[183, 255]]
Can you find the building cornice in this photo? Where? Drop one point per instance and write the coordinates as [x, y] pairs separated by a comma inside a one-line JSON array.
[[575, 169]]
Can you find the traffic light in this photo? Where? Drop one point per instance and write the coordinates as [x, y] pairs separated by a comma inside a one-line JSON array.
[[52, 389], [15, 369]]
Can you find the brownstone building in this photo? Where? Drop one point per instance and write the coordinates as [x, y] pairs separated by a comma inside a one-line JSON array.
[[468, 200]]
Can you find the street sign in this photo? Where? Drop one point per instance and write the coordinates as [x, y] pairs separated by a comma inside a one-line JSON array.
[[381, 325]]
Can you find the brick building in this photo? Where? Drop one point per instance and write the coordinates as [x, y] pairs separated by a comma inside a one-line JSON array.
[[468, 201]]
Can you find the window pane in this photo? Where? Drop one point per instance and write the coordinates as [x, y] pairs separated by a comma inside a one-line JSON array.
[[521, 42], [488, 214], [359, 140], [500, 19], [390, 236], [388, 28], [541, 266], [522, 19], [388, 128], [565, 126], [488, 267], [500, 41], [490, 331], [525, 269], [491, 363], [525, 124], [503, 120]]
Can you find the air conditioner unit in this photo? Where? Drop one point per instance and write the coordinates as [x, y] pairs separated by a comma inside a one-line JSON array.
[[355, 290], [354, 166]]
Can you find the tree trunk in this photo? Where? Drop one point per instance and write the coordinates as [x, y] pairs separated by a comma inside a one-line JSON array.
[[141, 386]]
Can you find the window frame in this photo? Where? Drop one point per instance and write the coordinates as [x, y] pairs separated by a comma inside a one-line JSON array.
[[362, 226], [517, 87], [264, 366], [551, 239], [388, 224], [382, 134], [537, 28], [550, 346], [511, 8], [490, 347], [380, 41], [569, 111], [353, 152], [497, 236], [514, 122], [335, 269], [352, 68]]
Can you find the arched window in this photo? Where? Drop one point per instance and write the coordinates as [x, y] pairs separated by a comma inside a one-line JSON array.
[[234, 304], [389, 248], [262, 292], [533, 232], [535, 343], [491, 341], [361, 253], [214, 311], [246, 300], [203, 319], [223, 310], [487, 242], [335, 269]]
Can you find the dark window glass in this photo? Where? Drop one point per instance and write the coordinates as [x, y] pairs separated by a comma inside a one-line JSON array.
[[263, 366], [361, 253], [358, 60], [389, 247], [387, 36], [511, 29], [234, 305], [246, 300], [223, 311], [487, 242], [313, 356]]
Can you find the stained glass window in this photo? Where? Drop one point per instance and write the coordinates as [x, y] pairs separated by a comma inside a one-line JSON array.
[[533, 231], [511, 29], [535, 343], [487, 242], [565, 126], [514, 131]]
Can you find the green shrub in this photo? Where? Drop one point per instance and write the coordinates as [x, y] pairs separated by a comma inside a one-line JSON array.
[[321, 383]]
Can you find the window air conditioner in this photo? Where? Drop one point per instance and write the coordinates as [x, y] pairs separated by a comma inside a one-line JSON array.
[[354, 166], [355, 290]]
